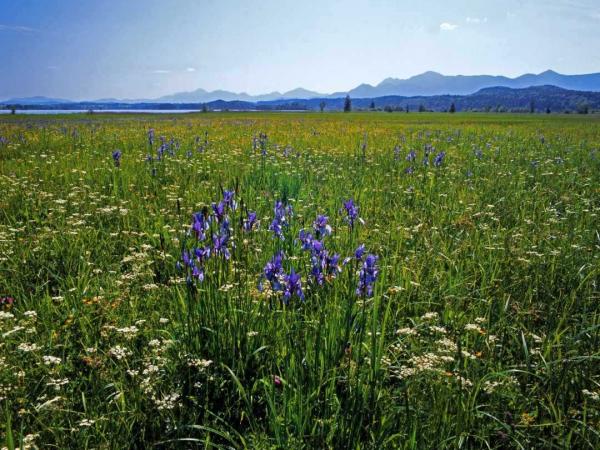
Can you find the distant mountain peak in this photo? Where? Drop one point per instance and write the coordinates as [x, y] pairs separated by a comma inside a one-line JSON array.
[[425, 84]]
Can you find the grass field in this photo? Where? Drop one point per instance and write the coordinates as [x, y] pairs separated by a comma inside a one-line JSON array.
[[471, 319]]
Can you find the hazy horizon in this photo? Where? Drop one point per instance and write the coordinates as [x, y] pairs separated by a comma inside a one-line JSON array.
[[91, 50]]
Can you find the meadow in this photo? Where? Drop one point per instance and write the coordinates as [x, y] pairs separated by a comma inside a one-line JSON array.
[[300, 280]]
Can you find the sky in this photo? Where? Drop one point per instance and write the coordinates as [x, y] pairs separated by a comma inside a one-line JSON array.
[[84, 49]]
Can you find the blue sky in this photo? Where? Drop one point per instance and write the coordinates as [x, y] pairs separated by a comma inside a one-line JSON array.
[[83, 49]]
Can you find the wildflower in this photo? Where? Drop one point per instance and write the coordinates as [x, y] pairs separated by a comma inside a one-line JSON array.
[[200, 224], [322, 263], [7, 301], [229, 200], [219, 210], [26, 348], [85, 423], [351, 212], [116, 155], [439, 158], [277, 381], [220, 245], [273, 272], [407, 331], [281, 219], [305, 240], [359, 252], [367, 276], [293, 286], [168, 402], [51, 360], [200, 364], [429, 316], [321, 227], [118, 352], [411, 156], [4, 315], [595, 396], [250, 221], [56, 383], [151, 137]]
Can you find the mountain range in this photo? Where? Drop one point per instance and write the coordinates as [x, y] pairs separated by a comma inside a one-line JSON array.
[[498, 99], [425, 84]]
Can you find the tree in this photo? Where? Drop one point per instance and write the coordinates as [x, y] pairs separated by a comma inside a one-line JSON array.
[[452, 108], [322, 105], [531, 107], [583, 108], [372, 106], [347, 104], [13, 110], [407, 109], [204, 108], [548, 110], [422, 108]]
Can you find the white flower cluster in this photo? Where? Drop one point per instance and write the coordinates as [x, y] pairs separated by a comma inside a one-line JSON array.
[[51, 360], [119, 352]]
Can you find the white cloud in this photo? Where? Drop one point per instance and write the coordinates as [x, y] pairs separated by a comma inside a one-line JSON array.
[[445, 26], [17, 28], [476, 20], [161, 71], [190, 69]]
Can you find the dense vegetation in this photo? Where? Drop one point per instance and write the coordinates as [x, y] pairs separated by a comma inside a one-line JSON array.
[[495, 99], [198, 280]]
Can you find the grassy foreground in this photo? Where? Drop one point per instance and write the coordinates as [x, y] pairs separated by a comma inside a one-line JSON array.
[[472, 320]]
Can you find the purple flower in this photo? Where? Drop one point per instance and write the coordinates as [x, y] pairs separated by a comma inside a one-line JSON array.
[[293, 286], [202, 254], [194, 261], [321, 227], [351, 212], [200, 224], [367, 276], [198, 273], [409, 170], [220, 245], [305, 239], [250, 222], [151, 137], [411, 156], [359, 252], [282, 214], [219, 211], [273, 272], [116, 155], [439, 158], [229, 201], [322, 265]]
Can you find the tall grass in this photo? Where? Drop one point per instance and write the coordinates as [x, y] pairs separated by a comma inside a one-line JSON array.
[[483, 330]]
